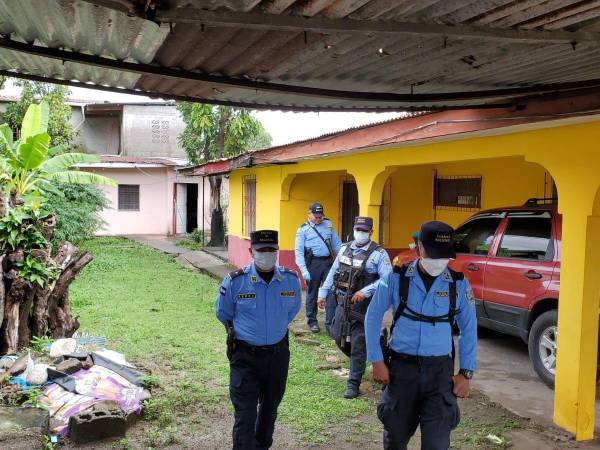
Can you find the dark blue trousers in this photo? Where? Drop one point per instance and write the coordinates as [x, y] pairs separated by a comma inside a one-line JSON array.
[[256, 386], [318, 269], [358, 352], [419, 393]]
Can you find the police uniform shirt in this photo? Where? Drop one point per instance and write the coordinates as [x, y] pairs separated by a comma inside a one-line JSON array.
[[378, 262], [422, 338], [307, 238], [260, 312]]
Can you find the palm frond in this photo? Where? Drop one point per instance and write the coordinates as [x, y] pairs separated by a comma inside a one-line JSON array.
[[80, 177], [65, 161]]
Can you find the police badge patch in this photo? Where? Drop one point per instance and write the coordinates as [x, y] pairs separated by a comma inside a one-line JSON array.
[[287, 294], [254, 279], [442, 293], [470, 297]]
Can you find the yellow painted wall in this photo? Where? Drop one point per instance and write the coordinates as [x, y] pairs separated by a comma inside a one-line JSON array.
[[305, 189], [411, 203], [505, 182]]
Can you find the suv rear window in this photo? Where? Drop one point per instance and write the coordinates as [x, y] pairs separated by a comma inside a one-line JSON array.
[[527, 238], [475, 237]]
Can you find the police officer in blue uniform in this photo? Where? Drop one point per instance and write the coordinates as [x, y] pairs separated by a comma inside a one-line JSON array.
[[317, 244], [427, 298], [354, 277], [256, 305]]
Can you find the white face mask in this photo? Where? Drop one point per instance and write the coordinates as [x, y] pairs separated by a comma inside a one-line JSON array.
[[361, 237], [434, 267], [265, 261]]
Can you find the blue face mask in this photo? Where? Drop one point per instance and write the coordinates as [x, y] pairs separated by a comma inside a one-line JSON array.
[[265, 261]]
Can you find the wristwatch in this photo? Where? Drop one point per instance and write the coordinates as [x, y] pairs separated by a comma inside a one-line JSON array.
[[468, 374]]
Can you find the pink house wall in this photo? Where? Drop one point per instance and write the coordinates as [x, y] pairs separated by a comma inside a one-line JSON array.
[[155, 215]]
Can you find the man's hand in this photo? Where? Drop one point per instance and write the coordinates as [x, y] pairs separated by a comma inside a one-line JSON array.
[[462, 386], [381, 374], [306, 276], [358, 297], [321, 303]]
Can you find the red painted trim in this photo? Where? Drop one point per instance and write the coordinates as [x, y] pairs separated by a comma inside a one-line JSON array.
[[237, 251]]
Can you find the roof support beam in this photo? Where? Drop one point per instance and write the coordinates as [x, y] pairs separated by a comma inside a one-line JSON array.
[[371, 27], [403, 100], [259, 106]]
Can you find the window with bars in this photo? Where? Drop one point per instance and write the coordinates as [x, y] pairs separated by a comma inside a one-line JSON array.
[[129, 197], [458, 192], [249, 206]]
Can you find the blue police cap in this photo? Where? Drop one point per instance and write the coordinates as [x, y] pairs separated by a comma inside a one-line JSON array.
[[316, 208], [437, 239], [264, 238], [363, 223]]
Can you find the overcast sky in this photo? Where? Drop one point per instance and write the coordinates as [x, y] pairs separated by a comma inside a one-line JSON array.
[[284, 127]]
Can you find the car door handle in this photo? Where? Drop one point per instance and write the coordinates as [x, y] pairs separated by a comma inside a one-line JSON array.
[[533, 275], [472, 267]]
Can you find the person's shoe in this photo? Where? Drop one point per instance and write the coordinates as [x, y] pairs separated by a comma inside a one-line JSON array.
[[314, 327], [351, 391]]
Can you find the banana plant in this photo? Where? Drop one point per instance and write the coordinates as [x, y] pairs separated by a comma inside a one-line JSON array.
[[32, 168]]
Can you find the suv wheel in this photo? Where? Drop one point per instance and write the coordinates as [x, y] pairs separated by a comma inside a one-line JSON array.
[[542, 346]]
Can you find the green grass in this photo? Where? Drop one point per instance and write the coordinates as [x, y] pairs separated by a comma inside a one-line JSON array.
[[189, 244], [161, 315]]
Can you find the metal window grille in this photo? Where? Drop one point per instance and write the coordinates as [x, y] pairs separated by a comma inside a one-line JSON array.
[[462, 192], [129, 197], [249, 206]]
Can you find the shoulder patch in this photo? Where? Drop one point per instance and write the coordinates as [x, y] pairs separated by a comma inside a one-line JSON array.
[[470, 296], [288, 270], [236, 273], [222, 290]]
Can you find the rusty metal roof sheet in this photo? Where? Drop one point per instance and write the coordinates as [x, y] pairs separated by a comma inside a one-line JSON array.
[[310, 54]]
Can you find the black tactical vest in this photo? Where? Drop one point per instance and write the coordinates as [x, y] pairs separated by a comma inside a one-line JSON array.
[[352, 275]]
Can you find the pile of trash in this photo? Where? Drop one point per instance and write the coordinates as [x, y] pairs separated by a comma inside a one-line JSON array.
[[89, 392]]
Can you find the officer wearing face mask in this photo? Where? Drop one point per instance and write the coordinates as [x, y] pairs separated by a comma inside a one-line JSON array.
[[354, 277], [256, 305], [316, 246], [427, 298]]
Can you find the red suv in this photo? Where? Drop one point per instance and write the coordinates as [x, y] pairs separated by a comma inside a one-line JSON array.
[[511, 256]]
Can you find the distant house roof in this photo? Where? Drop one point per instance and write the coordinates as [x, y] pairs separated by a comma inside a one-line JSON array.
[[116, 161]]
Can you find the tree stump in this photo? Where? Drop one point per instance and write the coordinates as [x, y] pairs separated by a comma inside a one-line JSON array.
[[28, 309]]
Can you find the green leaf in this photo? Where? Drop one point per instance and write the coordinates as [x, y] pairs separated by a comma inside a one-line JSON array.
[[80, 177], [65, 161], [35, 120], [6, 135], [34, 151]]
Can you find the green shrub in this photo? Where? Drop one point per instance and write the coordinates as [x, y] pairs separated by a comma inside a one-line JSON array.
[[77, 212]]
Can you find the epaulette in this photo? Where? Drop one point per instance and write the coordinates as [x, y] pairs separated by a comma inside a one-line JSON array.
[[303, 224], [236, 273], [288, 270]]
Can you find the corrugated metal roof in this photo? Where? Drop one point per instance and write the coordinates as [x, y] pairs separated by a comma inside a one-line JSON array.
[[348, 61], [80, 27]]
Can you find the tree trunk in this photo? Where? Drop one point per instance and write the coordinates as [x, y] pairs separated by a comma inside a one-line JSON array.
[[20, 291], [217, 228], [60, 319]]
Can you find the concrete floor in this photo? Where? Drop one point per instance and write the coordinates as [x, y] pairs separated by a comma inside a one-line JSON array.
[[506, 375]]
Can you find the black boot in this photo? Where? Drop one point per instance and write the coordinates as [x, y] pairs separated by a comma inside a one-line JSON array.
[[351, 391]]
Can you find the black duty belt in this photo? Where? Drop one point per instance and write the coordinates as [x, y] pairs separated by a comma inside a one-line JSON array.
[[266, 349], [420, 360]]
